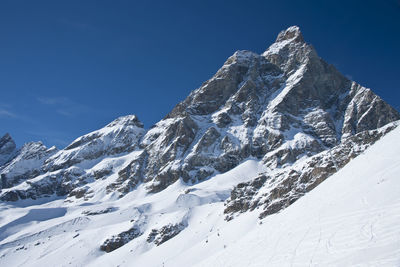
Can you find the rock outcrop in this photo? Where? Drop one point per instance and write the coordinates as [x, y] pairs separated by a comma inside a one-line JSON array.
[[121, 239], [7, 149], [165, 233]]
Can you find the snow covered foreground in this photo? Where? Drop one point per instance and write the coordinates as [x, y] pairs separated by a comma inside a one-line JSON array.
[[351, 219]]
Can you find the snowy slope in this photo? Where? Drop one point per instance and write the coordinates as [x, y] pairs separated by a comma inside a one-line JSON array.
[[44, 234], [350, 219]]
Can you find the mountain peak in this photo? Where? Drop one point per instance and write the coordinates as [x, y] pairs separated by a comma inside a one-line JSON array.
[[7, 144], [126, 121], [290, 39], [7, 148], [292, 33], [241, 57], [290, 51], [6, 138]]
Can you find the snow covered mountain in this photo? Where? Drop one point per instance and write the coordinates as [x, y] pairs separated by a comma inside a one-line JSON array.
[[264, 132]]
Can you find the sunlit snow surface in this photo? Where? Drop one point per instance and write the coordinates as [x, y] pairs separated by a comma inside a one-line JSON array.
[[351, 219]]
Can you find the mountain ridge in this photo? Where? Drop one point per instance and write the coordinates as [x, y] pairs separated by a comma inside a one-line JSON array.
[[275, 106]]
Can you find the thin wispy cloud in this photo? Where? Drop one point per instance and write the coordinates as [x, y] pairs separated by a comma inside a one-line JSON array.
[[64, 112], [53, 100], [65, 106], [5, 105], [7, 113]]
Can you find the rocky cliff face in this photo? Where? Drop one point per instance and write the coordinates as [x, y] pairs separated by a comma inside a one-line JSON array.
[[7, 149], [272, 192], [27, 163], [281, 106]]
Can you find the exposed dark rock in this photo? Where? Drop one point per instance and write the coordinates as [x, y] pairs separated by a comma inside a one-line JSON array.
[[7, 148], [121, 239], [102, 174], [130, 176], [98, 212], [78, 192], [10, 196], [159, 236]]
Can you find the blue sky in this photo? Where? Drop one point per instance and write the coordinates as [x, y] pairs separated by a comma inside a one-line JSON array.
[[70, 67]]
